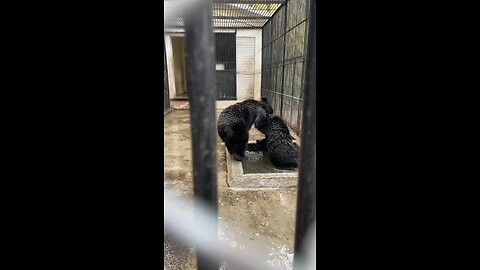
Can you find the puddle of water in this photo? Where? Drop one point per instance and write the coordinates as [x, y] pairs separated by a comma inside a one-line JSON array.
[[259, 162]]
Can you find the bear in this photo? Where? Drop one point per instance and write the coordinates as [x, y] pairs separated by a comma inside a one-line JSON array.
[[278, 142], [234, 123]]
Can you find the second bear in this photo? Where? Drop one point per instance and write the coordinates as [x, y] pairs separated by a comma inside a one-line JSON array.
[[234, 123], [277, 143]]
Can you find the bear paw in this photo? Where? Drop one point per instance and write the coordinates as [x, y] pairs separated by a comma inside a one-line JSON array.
[[239, 158]]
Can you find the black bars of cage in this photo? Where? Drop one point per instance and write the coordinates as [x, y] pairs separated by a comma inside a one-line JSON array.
[[283, 60], [200, 57], [306, 194]]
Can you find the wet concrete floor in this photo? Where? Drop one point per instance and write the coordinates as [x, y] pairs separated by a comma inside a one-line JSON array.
[[263, 216]]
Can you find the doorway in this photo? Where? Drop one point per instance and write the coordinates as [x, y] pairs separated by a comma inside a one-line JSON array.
[[178, 49], [225, 67]]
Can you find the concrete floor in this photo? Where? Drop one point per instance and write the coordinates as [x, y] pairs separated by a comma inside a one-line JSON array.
[[263, 216]]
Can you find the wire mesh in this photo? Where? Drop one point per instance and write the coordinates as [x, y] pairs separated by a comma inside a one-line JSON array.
[[283, 60], [238, 13]]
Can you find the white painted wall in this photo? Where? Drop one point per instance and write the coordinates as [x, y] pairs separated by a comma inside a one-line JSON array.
[[245, 67], [257, 78]]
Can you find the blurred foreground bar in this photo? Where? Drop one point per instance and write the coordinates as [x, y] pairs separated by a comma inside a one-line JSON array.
[[200, 57], [306, 196]]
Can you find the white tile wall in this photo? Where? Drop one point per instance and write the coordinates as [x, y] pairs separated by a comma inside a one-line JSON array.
[[245, 67]]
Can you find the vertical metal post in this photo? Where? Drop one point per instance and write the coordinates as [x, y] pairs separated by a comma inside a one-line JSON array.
[[200, 61], [284, 53], [306, 197]]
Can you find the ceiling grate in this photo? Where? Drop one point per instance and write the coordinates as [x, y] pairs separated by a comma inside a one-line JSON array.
[[239, 13]]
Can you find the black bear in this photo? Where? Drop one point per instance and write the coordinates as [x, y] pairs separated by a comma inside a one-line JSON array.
[[278, 142], [234, 123]]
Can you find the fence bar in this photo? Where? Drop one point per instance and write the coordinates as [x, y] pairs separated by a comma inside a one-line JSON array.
[[306, 202], [200, 62]]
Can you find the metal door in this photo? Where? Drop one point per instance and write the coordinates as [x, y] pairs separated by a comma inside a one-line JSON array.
[[226, 66]]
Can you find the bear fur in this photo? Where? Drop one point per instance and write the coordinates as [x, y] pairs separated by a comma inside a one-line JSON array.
[[234, 123], [278, 142]]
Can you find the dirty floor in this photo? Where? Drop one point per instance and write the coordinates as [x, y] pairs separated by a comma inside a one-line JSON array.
[[266, 216]]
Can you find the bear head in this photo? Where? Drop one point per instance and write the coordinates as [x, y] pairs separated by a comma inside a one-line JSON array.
[[266, 106], [265, 123]]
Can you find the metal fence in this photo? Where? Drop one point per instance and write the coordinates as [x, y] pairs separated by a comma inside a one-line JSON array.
[[283, 60], [284, 33]]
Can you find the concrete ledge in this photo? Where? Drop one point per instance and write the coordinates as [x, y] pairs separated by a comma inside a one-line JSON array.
[[179, 104], [237, 178], [219, 104]]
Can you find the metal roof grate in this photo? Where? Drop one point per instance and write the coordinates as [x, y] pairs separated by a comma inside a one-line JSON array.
[[239, 13]]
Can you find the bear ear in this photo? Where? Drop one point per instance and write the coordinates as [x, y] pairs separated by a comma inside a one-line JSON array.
[[262, 114], [264, 100]]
